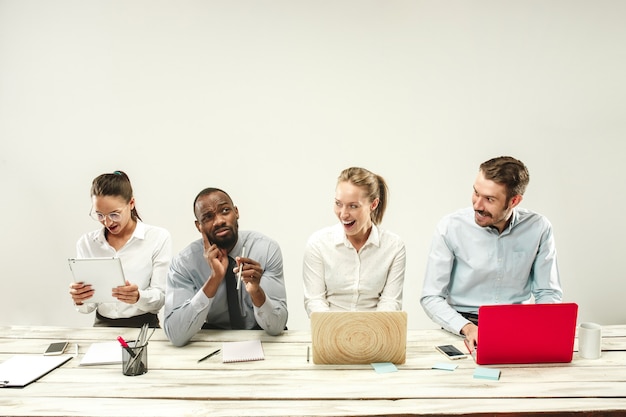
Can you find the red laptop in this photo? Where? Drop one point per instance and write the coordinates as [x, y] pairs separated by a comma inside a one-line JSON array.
[[526, 333]]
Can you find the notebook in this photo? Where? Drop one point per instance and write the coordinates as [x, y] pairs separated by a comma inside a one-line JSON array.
[[103, 353], [526, 333], [20, 370], [103, 274], [248, 350], [358, 337]]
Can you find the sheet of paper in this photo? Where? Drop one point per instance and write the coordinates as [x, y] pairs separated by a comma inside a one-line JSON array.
[[103, 353]]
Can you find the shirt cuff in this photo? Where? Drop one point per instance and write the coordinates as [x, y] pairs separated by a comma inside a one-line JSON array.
[[458, 323]]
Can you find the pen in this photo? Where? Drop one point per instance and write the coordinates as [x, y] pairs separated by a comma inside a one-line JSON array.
[[307, 354], [125, 346], [243, 253], [209, 355]]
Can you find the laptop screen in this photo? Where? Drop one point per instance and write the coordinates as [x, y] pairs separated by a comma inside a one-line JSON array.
[[526, 333]]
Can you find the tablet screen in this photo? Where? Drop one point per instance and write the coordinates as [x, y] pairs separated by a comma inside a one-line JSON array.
[[103, 274]]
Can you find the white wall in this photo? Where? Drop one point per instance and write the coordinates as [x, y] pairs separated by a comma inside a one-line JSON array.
[[271, 99]]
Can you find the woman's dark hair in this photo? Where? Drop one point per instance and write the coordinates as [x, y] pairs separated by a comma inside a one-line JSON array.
[[116, 184]]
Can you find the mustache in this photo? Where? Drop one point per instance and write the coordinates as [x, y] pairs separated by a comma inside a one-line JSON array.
[[483, 213]]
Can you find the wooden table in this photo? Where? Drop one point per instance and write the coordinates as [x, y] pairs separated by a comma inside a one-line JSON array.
[[286, 384]]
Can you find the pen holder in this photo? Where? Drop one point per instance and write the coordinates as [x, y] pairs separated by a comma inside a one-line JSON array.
[[135, 359]]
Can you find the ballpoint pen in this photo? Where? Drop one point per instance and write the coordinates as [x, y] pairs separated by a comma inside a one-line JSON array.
[[243, 253], [209, 355]]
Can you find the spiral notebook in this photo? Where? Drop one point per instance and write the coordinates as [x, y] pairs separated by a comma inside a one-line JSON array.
[[245, 351]]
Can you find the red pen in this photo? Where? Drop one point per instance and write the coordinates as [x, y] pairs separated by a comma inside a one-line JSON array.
[[125, 346]]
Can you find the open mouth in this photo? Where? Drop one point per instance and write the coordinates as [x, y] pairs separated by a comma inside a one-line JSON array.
[[348, 224]]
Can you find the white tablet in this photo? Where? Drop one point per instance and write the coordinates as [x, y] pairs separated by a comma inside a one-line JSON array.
[[103, 274]]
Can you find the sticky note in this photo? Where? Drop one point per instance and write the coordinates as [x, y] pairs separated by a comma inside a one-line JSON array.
[[445, 366], [487, 373], [384, 367]]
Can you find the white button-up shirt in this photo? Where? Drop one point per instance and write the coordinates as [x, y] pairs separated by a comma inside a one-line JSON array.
[[145, 260], [337, 277]]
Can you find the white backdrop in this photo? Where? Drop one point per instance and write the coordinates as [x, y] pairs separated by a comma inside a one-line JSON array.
[[271, 99]]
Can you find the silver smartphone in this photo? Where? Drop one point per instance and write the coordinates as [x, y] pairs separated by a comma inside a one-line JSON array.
[[56, 348], [451, 352]]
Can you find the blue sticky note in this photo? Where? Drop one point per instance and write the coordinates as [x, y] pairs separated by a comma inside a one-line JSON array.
[[445, 366], [384, 367], [487, 373]]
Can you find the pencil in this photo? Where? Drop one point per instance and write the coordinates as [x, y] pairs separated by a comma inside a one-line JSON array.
[[243, 253]]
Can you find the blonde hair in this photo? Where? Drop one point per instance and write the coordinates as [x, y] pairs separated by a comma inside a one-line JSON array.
[[374, 186]]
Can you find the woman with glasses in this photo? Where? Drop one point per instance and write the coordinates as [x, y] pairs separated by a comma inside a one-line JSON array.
[[144, 250]]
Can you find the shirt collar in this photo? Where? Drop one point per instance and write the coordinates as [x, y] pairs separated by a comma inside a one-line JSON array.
[[341, 238], [514, 221]]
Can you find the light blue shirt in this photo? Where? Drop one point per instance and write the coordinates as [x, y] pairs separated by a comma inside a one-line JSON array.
[[470, 266], [187, 307]]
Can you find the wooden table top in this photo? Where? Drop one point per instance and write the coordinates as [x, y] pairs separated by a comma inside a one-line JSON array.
[[285, 384]]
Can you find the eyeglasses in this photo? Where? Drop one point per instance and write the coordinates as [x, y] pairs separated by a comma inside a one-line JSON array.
[[114, 216]]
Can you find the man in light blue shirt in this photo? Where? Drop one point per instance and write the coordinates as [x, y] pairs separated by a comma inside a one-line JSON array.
[[491, 253]]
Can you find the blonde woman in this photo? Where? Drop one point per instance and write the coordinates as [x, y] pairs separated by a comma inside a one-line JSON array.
[[355, 264]]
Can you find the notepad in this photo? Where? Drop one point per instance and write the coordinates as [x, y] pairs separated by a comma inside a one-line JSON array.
[[21, 370], [384, 367], [487, 373], [249, 350], [103, 353], [445, 366]]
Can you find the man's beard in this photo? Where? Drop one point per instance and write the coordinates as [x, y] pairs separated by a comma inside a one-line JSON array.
[[227, 241]]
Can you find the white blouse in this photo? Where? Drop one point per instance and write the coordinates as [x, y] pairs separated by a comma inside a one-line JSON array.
[[145, 260], [337, 277]]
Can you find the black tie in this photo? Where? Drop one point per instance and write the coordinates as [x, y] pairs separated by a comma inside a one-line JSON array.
[[236, 321]]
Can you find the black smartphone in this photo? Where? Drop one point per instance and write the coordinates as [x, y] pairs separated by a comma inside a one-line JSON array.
[[451, 352], [56, 348]]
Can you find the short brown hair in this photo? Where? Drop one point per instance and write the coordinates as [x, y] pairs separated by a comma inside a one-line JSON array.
[[508, 171]]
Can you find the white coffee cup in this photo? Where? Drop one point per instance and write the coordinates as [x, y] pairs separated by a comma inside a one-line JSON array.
[[589, 340]]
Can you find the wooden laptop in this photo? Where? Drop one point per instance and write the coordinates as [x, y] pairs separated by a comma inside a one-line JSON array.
[[526, 333], [358, 337]]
